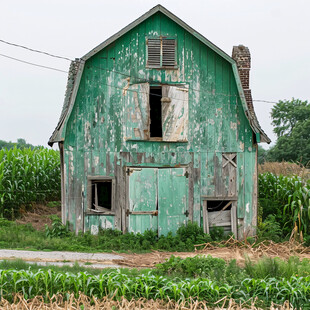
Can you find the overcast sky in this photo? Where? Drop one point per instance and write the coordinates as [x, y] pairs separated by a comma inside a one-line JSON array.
[[31, 98]]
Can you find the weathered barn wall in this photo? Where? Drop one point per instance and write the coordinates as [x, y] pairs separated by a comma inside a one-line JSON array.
[[95, 142]]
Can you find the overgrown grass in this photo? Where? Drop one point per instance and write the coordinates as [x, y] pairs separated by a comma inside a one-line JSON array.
[[58, 237]]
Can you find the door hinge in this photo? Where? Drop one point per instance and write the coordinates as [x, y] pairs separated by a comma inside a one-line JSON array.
[[186, 213], [186, 174], [127, 212]]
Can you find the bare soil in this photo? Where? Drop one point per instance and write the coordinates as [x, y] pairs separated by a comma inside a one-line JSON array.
[[39, 216]]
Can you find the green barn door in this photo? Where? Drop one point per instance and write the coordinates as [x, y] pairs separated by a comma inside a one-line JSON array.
[[158, 199], [172, 199], [142, 200]]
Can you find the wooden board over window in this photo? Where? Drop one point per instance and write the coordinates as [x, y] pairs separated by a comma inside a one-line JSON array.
[[220, 213]]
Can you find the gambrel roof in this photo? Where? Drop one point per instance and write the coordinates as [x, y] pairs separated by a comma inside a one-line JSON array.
[[77, 66]]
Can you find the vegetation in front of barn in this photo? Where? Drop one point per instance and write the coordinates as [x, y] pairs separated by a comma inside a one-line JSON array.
[[204, 279]]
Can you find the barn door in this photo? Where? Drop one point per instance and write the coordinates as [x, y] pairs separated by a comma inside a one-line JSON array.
[[158, 199], [143, 201], [174, 113], [172, 199]]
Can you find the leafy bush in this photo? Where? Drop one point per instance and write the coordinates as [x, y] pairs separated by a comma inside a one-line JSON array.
[[57, 229], [270, 229]]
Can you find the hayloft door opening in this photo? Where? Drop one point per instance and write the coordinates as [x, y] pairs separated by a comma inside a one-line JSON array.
[[158, 199], [155, 112]]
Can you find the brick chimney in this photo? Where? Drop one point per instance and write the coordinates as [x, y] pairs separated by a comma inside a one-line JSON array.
[[242, 57]]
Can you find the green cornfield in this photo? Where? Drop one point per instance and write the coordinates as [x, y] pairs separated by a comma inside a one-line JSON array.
[[287, 198], [116, 285], [27, 176]]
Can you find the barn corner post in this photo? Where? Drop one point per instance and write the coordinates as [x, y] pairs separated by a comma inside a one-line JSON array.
[[160, 136]]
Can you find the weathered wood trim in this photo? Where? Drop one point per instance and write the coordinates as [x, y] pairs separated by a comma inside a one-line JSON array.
[[205, 218], [63, 128], [234, 223], [204, 197], [62, 181], [190, 170]]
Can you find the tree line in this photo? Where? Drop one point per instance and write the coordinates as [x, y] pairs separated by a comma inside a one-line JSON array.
[[291, 121]]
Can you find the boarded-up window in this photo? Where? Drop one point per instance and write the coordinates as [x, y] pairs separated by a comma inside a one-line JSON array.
[[229, 173], [174, 113], [220, 213], [161, 53]]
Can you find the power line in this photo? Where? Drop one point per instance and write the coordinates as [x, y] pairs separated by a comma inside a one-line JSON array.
[[33, 64], [36, 51], [109, 85], [109, 70], [266, 101]]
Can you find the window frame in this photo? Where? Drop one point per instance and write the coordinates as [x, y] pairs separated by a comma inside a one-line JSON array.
[[99, 179], [175, 66]]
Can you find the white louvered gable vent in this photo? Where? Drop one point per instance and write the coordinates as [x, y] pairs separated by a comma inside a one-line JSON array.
[[161, 53]]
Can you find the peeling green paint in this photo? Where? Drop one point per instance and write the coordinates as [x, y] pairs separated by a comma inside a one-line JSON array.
[[107, 132]]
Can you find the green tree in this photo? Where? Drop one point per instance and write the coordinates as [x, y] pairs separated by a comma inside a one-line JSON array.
[[291, 119], [21, 143]]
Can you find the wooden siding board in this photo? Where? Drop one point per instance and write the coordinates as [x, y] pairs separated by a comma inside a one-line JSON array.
[[211, 103]]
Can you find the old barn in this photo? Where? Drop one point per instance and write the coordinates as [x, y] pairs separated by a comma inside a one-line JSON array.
[[158, 129]]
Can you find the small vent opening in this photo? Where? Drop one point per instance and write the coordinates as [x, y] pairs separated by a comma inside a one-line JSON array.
[[161, 53]]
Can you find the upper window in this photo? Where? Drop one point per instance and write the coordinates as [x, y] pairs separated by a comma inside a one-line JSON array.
[[161, 52], [156, 112]]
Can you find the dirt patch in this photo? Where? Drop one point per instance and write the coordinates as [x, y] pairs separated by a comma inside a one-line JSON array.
[[227, 250], [39, 216]]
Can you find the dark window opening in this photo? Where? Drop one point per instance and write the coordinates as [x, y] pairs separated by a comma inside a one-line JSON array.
[[101, 195], [155, 112], [218, 205]]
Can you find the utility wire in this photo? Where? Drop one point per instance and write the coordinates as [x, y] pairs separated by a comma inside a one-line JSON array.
[[33, 64], [108, 70], [266, 101], [36, 51]]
